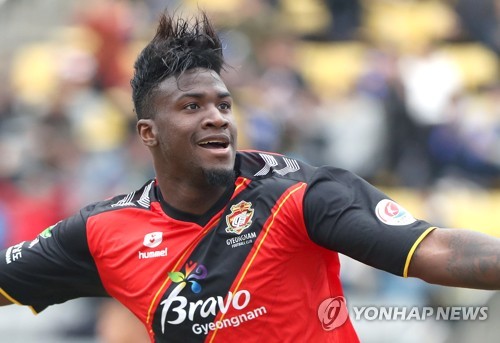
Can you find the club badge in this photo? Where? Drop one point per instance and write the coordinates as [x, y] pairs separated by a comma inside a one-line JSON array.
[[240, 217]]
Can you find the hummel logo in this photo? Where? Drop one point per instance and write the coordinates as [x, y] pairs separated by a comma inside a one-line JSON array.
[[153, 239]]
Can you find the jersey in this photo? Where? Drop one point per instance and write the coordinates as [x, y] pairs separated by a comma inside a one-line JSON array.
[[261, 265]]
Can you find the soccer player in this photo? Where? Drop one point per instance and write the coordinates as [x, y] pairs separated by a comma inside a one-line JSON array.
[[226, 245]]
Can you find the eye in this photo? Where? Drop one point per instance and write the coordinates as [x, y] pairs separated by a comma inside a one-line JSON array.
[[191, 106], [225, 106]]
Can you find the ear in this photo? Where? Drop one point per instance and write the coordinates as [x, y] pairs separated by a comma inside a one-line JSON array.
[[147, 131]]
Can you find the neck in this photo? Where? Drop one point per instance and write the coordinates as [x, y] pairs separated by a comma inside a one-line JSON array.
[[189, 197]]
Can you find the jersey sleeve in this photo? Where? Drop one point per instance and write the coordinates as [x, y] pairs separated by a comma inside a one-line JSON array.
[[346, 214], [53, 268]]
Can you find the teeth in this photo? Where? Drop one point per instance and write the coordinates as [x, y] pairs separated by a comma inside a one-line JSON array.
[[212, 142]]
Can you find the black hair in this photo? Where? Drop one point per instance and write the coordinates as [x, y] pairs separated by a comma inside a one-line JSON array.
[[179, 45]]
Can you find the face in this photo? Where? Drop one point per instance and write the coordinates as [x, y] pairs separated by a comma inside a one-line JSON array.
[[192, 134]]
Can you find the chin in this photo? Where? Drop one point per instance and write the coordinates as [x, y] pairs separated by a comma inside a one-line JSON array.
[[219, 176]]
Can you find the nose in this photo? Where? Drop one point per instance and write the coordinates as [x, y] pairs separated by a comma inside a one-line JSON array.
[[214, 118]]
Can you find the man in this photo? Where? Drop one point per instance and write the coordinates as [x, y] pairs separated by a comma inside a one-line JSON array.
[[225, 245]]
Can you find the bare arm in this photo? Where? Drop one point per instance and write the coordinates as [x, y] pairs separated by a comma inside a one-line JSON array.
[[456, 257]]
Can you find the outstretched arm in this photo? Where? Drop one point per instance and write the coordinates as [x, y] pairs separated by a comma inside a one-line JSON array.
[[4, 300], [457, 257]]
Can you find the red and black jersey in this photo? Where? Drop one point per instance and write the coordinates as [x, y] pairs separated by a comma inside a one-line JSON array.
[[258, 266]]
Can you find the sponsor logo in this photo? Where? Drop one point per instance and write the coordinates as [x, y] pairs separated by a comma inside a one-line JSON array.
[[240, 217], [153, 254], [47, 233], [14, 253], [193, 272], [332, 313], [179, 309], [390, 213], [153, 239], [234, 321]]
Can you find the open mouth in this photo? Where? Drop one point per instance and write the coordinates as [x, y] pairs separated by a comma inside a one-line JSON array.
[[214, 145]]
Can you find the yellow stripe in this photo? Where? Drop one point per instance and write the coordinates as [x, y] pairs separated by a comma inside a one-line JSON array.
[[14, 301], [8, 297], [242, 182], [266, 231], [413, 248], [265, 235]]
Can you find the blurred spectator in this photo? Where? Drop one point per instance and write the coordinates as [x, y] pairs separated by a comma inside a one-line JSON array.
[[431, 80], [111, 21], [346, 19], [481, 21], [354, 129]]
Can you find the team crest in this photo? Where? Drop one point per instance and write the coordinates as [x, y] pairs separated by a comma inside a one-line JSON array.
[[240, 217]]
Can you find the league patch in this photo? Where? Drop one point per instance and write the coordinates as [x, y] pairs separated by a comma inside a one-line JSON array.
[[390, 213]]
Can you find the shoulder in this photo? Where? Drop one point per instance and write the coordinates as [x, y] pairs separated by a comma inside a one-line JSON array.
[[138, 199], [339, 176], [258, 165], [255, 165], [332, 182]]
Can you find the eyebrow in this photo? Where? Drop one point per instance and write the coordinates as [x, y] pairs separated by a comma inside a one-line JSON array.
[[200, 95]]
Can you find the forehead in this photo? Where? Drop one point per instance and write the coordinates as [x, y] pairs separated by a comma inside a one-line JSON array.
[[192, 81]]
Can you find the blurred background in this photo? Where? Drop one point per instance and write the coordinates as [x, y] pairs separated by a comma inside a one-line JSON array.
[[405, 93]]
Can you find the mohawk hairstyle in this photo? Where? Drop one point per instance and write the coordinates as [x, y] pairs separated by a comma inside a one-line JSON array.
[[179, 45]]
